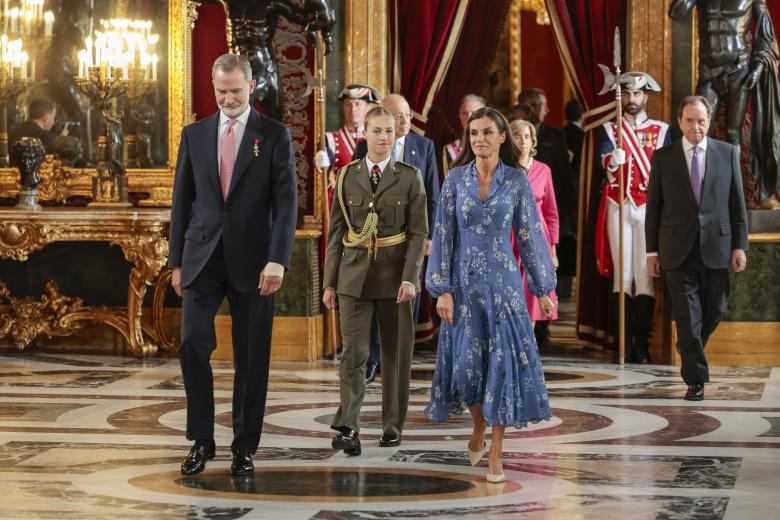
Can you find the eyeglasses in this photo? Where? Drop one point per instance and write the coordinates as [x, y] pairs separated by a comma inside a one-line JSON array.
[[403, 115]]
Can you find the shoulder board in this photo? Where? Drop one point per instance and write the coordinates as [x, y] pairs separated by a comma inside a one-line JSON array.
[[407, 165], [344, 168]]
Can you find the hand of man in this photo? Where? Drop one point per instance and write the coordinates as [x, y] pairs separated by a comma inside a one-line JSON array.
[[738, 260], [405, 293], [428, 244], [445, 308], [322, 160], [547, 306], [269, 284], [65, 130], [653, 266], [555, 257], [617, 158], [176, 280], [329, 298]]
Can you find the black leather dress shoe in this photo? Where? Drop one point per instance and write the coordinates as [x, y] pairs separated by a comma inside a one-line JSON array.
[[695, 393], [242, 463], [371, 371], [347, 440], [195, 461], [389, 440]]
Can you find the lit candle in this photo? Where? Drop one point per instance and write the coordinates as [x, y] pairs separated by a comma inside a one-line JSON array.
[[23, 63], [154, 67], [14, 16], [48, 18]]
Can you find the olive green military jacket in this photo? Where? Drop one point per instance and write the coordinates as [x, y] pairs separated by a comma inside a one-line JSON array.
[[400, 204]]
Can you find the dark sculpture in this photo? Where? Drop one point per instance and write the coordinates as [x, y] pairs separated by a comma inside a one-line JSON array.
[[27, 154], [730, 69], [254, 25], [60, 68]]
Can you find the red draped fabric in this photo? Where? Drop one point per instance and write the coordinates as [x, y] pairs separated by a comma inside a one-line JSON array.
[[209, 42], [584, 34], [423, 36], [468, 72]]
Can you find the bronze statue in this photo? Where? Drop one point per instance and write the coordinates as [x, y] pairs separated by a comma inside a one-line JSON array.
[[254, 25], [60, 68], [731, 68], [27, 154]]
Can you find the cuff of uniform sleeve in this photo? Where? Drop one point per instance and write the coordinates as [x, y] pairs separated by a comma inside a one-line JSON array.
[[654, 253], [274, 269]]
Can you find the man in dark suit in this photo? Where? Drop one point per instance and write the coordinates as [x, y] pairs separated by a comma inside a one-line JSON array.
[[232, 231], [40, 120], [418, 151], [695, 226]]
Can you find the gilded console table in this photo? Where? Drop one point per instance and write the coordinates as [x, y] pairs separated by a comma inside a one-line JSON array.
[[142, 235]]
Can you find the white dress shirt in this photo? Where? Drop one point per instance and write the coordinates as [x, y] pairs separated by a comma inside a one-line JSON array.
[[271, 268], [400, 143], [688, 149], [382, 165]]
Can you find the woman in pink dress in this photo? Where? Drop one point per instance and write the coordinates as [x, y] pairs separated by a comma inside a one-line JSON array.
[[540, 177]]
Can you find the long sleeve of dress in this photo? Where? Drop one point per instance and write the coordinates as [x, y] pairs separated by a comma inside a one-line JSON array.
[[533, 247], [441, 276], [550, 208]]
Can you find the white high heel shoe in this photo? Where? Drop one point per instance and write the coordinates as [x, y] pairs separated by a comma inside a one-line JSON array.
[[495, 479], [476, 456]]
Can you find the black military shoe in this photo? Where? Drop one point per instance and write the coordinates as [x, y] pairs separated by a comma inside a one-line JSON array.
[[195, 461], [242, 463], [371, 371], [390, 440], [695, 393], [347, 440]]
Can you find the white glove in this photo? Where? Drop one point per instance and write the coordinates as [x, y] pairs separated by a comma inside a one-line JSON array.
[[322, 160], [618, 157]]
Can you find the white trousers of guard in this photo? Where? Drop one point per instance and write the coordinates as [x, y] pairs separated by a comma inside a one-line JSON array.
[[634, 252]]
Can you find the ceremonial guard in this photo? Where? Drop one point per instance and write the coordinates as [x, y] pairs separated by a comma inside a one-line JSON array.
[[356, 100], [376, 244], [641, 137]]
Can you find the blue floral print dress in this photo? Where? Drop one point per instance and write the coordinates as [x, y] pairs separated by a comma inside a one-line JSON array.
[[488, 355]]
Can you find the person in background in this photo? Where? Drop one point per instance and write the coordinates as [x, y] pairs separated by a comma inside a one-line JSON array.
[[524, 135], [696, 226], [468, 104], [41, 118], [574, 136]]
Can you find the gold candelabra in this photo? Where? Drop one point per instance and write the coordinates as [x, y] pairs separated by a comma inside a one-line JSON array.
[[11, 84], [103, 84]]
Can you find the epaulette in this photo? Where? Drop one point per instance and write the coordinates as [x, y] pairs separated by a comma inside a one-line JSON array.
[[405, 164]]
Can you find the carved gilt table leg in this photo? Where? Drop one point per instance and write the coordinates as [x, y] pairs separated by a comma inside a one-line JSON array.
[[147, 250]]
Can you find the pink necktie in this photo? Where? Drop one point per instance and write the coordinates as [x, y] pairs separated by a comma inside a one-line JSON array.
[[227, 157]]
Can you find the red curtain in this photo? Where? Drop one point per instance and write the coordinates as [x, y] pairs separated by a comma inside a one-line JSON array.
[[468, 72], [209, 42], [422, 36], [584, 34]]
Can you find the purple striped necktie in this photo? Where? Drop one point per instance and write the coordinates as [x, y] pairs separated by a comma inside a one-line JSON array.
[[696, 175]]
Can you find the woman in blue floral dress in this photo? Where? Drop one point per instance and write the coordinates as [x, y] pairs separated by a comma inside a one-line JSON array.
[[487, 358]]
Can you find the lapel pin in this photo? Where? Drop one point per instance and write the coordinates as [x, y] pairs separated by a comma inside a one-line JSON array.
[[256, 148], [413, 152]]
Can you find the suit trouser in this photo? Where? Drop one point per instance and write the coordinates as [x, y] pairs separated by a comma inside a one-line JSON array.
[[252, 317], [373, 354], [699, 297], [396, 335]]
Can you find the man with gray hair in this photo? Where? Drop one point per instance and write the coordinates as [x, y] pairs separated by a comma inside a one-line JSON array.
[[232, 230], [468, 104]]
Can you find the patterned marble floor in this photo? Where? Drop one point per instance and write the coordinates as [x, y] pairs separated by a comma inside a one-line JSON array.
[[84, 436]]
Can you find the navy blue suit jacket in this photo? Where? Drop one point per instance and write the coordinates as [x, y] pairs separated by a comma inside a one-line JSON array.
[[256, 222], [419, 152]]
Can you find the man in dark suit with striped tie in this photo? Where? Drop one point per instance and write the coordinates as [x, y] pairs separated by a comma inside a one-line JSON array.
[[695, 227]]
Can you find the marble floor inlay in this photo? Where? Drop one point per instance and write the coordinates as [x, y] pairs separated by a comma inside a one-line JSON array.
[[88, 436]]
